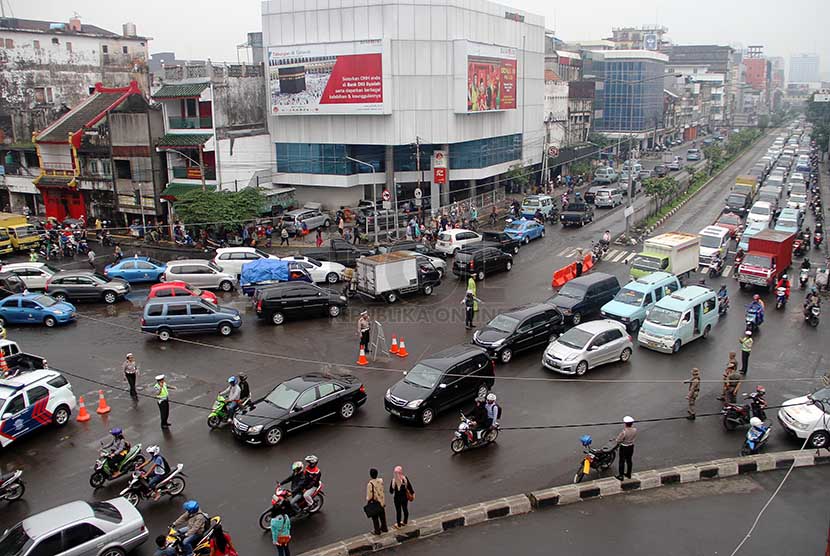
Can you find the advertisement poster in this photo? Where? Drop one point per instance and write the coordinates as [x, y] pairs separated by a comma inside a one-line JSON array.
[[491, 78], [439, 167], [332, 78]]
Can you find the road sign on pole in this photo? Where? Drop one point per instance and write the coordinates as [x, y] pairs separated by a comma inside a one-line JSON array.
[[553, 151], [418, 193]]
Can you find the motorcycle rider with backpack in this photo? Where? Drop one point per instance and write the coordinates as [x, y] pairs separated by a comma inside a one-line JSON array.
[[311, 480], [118, 448]]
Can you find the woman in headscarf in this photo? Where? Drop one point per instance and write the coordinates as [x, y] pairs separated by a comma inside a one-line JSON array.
[[402, 493]]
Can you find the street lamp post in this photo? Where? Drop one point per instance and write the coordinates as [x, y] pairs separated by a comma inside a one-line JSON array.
[[200, 162], [374, 193]]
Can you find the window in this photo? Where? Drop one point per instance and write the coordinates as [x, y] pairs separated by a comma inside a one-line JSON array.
[[105, 49], [106, 511], [125, 50], [164, 292], [68, 46], [26, 304], [325, 389], [613, 335], [141, 265], [200, 310], [106, 167], [58, 382], [50, 545], [36, 45], [10, 304], [176, 310], [154, 310], [307, 397], [16, 405], [79, 534], [37, 393], [648, 300], [55, 40], [709, 305], [43, 95], [9, 43], [123, 170]]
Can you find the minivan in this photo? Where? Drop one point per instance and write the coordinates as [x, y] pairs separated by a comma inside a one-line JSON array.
[[693, 154], [608, 197], [798, 197], [605, 175], [674, 321], [713, 239], [169, 316], [532, 203], [585, 295], [632, 302], [440, 381], [199, 273]]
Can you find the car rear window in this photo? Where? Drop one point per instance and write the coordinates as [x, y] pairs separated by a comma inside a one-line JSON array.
[[58, 382], [154, 311], [463, 257], [106, 512]]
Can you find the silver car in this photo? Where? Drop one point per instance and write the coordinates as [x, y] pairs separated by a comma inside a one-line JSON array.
[[439, 263], [588, 345], [311, 214], [199, 273], [110, 528]]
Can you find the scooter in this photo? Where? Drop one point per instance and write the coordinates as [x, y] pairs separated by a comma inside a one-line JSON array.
[[755, 439], [219, 413], [803, 278], [799, 248], [812, 316], [752, 320], [716, 268], [817, 237], [780, 297], [466, 439], [12, 486], [599, 460], [174, 539], [103, 471], [282, 497], [597, 251], [723, 304], [172, 485], [736, 415]]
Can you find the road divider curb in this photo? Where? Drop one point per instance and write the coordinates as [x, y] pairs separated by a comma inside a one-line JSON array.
[[544, 499]]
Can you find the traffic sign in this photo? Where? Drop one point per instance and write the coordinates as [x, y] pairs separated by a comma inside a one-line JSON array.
[[418, 193], [553, 151], [386, 196], [387, 205]]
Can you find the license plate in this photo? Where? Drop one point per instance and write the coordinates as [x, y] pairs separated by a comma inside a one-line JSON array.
[[395, 412]]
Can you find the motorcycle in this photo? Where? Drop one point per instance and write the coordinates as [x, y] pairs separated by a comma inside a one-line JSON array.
[[753, 321], [174, 539], [739, 258], [812, 316], [803, 278], [282, 497], [466, 439], [12, 486], [755, 440], [737, 415], [172, 485], [780, 297], [716, 268], [817, 237], [600, 459], [597, 251], [799, 249], [103, 471], [723, 304], [220, 412]]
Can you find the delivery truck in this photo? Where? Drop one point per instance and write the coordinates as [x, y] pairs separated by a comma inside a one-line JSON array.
[[769, 256], [674, 252], [392, 275], [747, 185], [16, 229]]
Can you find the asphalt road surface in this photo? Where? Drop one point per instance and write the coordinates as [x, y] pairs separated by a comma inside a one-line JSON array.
[[703, 518], [236, 480]]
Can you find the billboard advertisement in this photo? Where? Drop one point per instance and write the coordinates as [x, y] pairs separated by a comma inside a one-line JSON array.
[[331, 78], [491, 78], [439, 167]]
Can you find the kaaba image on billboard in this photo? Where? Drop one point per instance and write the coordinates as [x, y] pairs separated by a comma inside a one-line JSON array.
[[292, 79]]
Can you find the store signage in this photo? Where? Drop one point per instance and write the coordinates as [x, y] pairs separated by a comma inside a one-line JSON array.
[[439, 167]]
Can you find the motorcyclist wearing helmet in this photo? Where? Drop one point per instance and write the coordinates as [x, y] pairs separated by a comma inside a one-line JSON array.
[[118, 448], [192, 525], [784, 282], [757, 428], [232, 394], [480, 418], [296, 481], [723, 293], [493, 409], [758, 402], [157, 470], [311, 480], [757, 307], [805, 264]]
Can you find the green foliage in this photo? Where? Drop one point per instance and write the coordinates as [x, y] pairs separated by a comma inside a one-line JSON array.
[[581, 167], [599, 139], [714, 157], [518, 175], [196, 207], [661, 188], [763, 121]]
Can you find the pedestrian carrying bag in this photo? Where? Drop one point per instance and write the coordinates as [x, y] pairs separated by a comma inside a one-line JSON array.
[[283, 540], [372, 507]]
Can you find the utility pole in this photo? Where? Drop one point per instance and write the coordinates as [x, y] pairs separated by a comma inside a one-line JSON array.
[[418, 159], [202, 167]]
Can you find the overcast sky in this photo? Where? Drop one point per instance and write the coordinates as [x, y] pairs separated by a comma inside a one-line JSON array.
[[202, 29]]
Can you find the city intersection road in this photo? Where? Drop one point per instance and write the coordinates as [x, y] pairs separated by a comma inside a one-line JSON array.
[[237, 480]]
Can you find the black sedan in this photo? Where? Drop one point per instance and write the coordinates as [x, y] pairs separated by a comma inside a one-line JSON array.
[[297, 403], [519, 329], [501, 240]]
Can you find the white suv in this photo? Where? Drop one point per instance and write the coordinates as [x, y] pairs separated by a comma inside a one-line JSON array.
[[231, 259], [32, 400], [34, 275], [451, 241], [804, 418]]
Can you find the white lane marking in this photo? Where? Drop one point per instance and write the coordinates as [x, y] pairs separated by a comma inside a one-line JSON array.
[[628, 258], [727, 270], [619, 257], [611, 253], [564, 252]]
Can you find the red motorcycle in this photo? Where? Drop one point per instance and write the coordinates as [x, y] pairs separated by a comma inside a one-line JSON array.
[[282, 497], [735, 415]]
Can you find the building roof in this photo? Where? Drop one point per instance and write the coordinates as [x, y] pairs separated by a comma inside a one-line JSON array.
[[177, 189], [184, 139], [632, 55], [53, 27], [49, 180], [182, 90]]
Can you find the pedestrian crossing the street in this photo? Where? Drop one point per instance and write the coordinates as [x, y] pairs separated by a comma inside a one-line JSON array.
[[620, 256]]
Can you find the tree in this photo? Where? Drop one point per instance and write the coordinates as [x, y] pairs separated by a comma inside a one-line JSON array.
[[519, 177], [763, 122], [714, 157], [661, 189], [200, 207]]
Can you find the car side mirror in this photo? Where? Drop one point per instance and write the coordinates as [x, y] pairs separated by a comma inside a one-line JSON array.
[[298, 407], [442, 385], [593, 348], [7, 416]]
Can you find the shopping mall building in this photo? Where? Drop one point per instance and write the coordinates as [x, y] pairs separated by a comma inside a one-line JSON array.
[[359, 88]]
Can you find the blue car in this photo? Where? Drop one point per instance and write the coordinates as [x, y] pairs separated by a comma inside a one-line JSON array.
[[35, 308], [525, 230], [136, 269]]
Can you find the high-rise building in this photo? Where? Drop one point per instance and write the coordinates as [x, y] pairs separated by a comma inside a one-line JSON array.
[[647, 37], [708, 59], [804, 68]]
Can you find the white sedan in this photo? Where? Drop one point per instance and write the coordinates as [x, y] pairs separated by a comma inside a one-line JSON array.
[[808, 417], [320, 271]]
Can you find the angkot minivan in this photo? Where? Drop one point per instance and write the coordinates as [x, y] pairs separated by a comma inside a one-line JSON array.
[[166, 317], [674, 321], [633, 301]]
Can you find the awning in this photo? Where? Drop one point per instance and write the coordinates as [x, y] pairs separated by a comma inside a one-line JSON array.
[[46, 180], [183, 90], [174, 190], [184, 139]]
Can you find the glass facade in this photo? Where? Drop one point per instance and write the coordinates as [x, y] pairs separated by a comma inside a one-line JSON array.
[[485, 152], [629, 95]]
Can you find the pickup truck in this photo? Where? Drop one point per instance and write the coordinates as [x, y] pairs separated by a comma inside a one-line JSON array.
[[18, 361], [577, 214], [339, 251], [769, 256]]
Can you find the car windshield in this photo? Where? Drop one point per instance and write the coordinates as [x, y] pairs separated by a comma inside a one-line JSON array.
[[572, 290], [214, 266], [710, 242], [629, 297], [757, 260], [575, 338], [786, 224], [503, 323], [664, 317], [106, 511], [515, 226], [822, 395], [14, 541], [101, 277], [45, 300], [423, 376], [736, 199], [283, 396], [646, 263], [531, 202], [313, 262], [732, 220], [760, 210], [155, 262]]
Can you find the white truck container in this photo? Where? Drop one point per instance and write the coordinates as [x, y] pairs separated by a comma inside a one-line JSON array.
[[674, 252], [391, 275]]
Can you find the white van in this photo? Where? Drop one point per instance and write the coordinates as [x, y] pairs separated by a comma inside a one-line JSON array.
[[608, 197], [713, 239]]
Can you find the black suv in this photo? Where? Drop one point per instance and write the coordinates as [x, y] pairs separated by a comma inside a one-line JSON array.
[[299, 402], [500, 240], [440, 381], [415, 246], [86, 285], [519, 329], [480, 261], [292, 300], [738, 203], [585, 295]]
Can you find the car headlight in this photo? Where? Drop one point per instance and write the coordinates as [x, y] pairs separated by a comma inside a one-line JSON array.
[[256, 429], [414, 404], [566, 311], [498, 343], [572, 356], [342, 298], [388, 393], [624, 319], [236, 317]]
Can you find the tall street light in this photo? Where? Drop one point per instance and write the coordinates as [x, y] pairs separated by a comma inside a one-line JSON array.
[[374, 192], [200, 163]]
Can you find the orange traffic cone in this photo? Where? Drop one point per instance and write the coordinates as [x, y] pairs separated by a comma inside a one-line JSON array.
[[4, 367], [361, 360], [102, 404], [393, 349], [402, 350], [83, 414]]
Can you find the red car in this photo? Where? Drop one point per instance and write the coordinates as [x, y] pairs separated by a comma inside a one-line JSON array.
[[177, 288], [731, 222]]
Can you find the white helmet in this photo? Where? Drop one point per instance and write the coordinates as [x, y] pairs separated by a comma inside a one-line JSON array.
[[153, 450], [628, 419], [491, 397], [755, 422]]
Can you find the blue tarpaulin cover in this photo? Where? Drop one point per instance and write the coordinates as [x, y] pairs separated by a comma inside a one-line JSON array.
[[263, 270]]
